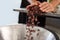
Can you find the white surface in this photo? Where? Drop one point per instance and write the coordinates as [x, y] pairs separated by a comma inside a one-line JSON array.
[[7, 15], [15, 32]]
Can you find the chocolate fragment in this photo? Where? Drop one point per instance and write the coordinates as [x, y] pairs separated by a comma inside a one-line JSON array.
[[38, 30], [24, 37], [31, 38], [37, 34]]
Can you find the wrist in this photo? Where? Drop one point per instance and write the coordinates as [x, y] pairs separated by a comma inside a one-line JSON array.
[[36, 3], [55, 3], [31, 1]]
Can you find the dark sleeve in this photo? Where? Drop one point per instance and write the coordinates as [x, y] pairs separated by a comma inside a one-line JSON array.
[[24, 3], [42, 0], [23, 16]]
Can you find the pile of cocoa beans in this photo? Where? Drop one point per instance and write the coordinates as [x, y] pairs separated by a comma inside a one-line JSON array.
[[32, 14]]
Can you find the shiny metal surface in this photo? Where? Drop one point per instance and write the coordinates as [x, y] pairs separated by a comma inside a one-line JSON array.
[[57, 14], [17, 32]]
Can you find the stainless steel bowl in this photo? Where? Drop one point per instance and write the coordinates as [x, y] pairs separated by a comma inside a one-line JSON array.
[[17, 32]]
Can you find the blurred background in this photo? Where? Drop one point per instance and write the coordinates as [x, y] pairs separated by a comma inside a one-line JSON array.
[[7, 15]]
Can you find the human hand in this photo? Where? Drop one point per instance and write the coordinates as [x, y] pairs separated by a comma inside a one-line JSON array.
[[46, 7], [32, 4]]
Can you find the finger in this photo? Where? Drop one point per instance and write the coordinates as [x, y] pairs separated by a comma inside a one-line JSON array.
[[44, 10], [30, 5], [50, 10], [41, 8], [27, 7], [42, 4], [38, 2]]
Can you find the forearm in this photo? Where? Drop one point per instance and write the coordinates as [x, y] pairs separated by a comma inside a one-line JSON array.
[[55, 3], [32, 1]]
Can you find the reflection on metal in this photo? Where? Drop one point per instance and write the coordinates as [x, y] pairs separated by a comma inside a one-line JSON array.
[[17, 32]]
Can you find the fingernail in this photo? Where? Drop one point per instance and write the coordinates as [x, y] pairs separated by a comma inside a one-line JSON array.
[[40, 8]]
